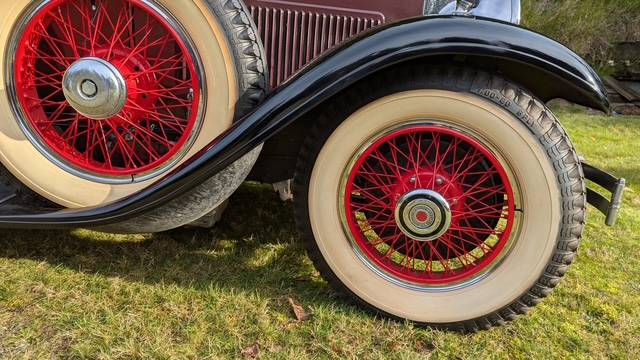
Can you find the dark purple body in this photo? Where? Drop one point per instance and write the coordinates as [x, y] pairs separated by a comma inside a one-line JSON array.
[[296, 32]]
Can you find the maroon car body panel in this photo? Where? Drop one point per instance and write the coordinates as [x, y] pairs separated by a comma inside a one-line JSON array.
[[295, 33]]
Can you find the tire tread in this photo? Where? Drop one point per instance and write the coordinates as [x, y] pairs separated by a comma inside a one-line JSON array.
[[251, 73], [524, 106]]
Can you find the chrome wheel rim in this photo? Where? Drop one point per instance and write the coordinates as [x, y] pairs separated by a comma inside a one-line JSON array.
[[147, 109], [365, 228]]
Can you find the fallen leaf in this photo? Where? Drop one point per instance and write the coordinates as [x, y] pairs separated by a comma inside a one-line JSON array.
[[424, 347], [251, 352], [300, 313]]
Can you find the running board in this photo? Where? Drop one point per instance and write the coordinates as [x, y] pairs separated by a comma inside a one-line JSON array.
[[610, 208]]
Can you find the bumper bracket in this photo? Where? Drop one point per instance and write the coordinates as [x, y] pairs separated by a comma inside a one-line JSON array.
[[609, 207]]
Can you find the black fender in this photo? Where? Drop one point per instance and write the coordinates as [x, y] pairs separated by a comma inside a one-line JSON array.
[[544, 67], [540, 57]]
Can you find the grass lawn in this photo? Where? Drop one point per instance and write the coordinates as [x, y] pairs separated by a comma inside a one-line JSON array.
[[81, 294], [589, 27]]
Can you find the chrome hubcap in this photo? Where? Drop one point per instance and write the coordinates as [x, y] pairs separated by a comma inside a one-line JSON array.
[[423, 215], [94, 88]]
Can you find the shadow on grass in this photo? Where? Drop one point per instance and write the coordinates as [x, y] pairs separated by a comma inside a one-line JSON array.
[[254, 249]]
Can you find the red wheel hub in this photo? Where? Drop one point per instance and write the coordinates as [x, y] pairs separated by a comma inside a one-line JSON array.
[[111, 88], [429, 205], [422, 216]]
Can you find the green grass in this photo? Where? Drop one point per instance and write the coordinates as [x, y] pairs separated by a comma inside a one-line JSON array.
[[589, 27], [79, 294]]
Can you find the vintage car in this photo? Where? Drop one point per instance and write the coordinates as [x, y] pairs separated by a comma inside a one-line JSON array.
[[430, 180]]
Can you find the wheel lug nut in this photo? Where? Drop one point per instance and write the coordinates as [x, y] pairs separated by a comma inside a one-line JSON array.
[[89, 88], [413, 180], [439, 181]]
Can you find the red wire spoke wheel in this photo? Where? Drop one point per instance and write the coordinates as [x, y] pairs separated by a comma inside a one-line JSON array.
[[106, 96], [429, 205], [108, 89], [440, 195]]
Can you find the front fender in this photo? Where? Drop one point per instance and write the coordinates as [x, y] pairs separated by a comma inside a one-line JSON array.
[[387, 46]]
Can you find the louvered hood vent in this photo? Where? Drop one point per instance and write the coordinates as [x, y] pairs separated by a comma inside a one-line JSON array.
[[294, 35]]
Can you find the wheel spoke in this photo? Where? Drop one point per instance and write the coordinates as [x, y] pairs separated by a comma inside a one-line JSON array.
[[420, 162], [158, 116]]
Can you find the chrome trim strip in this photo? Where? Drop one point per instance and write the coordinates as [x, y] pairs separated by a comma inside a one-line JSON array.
[[505, 10]]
